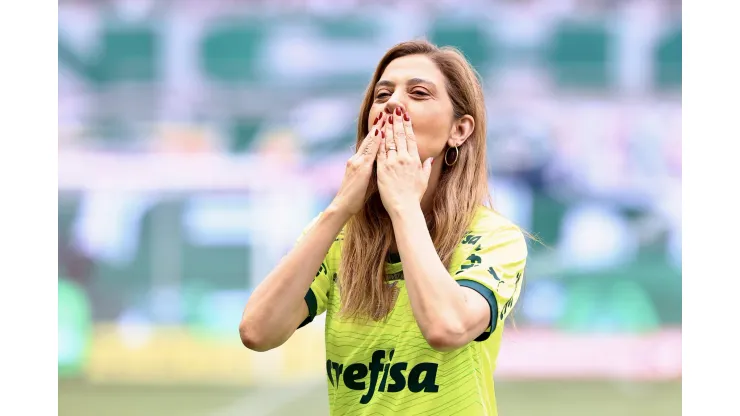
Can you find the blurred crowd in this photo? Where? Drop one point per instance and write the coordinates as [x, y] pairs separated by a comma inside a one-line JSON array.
[[590, 163]]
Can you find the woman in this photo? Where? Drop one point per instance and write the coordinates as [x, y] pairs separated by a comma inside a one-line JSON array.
[[415, 275]]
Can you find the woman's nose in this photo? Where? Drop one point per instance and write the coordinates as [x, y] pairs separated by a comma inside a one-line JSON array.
[[392, 104]]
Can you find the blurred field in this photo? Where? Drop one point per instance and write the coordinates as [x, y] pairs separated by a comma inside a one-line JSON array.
[[582, 398]]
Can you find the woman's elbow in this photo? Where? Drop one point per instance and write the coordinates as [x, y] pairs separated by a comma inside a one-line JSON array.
[[254, 338], [445, 337]]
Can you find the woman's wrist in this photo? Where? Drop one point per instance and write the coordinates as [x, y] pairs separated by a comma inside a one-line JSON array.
[[337, 213]]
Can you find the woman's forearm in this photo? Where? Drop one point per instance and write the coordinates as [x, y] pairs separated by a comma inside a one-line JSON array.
[[276, 307], [441, 307]]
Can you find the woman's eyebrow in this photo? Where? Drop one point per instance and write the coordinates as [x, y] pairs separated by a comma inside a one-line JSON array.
[[412, 81]]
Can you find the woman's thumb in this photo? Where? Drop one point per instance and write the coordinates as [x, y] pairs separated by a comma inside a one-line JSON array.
[[427, 167]]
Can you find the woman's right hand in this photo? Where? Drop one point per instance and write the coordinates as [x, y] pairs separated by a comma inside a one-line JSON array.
[[351, 196]]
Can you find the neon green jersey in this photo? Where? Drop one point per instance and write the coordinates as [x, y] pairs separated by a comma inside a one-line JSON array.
[[388, 368]]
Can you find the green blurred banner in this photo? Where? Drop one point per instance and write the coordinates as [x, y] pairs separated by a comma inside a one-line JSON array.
[[75, 328], [232, 51]]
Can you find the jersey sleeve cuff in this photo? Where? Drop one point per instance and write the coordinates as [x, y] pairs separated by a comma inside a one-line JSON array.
[[492, 303], [312, 304]]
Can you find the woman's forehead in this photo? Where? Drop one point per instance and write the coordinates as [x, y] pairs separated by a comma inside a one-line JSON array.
[[417, 67]]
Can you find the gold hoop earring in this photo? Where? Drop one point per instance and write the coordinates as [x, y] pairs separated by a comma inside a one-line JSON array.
[[447, 153]]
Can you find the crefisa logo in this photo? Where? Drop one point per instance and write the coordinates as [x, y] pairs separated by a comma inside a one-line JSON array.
[[422, 377]]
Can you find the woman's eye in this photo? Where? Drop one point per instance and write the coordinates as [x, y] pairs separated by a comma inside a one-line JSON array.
[[420, 93], [382, 94]]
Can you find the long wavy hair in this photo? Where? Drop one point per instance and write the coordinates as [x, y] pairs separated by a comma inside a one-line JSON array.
[[462, 188]]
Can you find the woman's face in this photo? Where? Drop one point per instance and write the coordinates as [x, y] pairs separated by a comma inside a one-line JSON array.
[[415, 84]]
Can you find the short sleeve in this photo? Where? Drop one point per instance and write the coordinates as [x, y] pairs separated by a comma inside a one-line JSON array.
[[494, 267], [318, 293]]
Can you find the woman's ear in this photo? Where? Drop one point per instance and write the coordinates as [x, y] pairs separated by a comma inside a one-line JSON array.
[[461, 130]]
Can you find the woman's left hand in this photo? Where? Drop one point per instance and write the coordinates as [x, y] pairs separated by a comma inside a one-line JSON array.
[[402, 178]]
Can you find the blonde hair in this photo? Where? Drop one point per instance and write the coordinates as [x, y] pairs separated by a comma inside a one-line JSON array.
[[461, 190]]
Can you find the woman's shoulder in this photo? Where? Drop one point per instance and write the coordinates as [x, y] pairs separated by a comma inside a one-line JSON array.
[[489, 222]]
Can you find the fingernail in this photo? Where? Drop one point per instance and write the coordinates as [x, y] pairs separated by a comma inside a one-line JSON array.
[[390, 120], [398, 111], [382, 134], [376, 132], [406, 116], [382, 125]]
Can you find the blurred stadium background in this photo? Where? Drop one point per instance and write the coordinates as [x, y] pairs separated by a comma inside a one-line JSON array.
[[197, 138]]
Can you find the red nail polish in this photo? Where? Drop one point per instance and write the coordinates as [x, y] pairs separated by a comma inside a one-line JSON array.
[[382, 134], [398, 111], [406, 116], [390, 120], [382, 125], [376, 132]]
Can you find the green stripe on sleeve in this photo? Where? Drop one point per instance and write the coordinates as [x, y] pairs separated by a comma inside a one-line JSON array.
[[492, 303], [312, 304]]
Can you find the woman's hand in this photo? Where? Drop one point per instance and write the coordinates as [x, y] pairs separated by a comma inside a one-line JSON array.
[[352, 193], [402, 178]]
